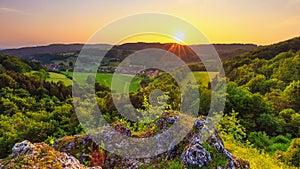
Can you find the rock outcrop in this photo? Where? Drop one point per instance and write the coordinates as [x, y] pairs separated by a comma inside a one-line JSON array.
[[197, 155], [38, 156], [80, 150]]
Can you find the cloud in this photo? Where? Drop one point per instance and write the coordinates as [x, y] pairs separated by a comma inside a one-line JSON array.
[[10, 10]]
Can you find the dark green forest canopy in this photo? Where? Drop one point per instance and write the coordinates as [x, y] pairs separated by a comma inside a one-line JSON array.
[[17, 64]]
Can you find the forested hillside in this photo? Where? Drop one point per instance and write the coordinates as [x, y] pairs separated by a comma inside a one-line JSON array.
[[30, 107], [264, 89]]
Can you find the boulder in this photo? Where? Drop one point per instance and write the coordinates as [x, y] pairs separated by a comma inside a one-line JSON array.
[[195, 155], [24, 148]]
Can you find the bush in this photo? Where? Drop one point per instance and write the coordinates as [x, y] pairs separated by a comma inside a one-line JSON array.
[[292, 155], [256, 158], [270, 124], [281, 139], [260, 140], [277, 147]]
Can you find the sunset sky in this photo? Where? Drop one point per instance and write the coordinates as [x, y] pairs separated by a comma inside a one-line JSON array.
[[41, 22]]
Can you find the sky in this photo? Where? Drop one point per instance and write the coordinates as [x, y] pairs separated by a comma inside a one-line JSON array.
[[42, 22]]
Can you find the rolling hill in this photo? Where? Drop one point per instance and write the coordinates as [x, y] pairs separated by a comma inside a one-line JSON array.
[[265, 53], [61, 52]]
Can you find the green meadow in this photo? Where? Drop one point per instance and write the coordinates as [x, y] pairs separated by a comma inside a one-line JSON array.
[[56, 77], [122, 82]]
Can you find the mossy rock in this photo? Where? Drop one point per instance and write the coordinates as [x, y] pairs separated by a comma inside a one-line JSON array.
[[41, 156]]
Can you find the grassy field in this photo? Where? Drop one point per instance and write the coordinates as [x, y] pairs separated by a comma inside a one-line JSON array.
[[203, 77], [121, 82], [55, 77]]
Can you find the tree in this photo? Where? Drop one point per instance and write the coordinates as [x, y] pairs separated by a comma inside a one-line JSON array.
[[270, 124], [260, 139], [292, 95], [292, 120], [231, 125], [292, 155], [7, 81], [276, 100], [288, 69], [15, 64], [41, 74], [249, 105], [7, 107]]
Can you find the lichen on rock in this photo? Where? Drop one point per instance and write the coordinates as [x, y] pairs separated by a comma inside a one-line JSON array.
[[39, 156], [196, 155]]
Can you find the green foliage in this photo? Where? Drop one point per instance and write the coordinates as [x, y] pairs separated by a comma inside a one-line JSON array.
[[7, 81], [7, 107], [292, 155], [218, 159], [266, 53], [288, 68], [150, 112], [259, 139], [41, 74], [34, 110], [17, 64], [165, 164], [231, 125], [292, 94], [249, 105], [286, 114], [263, 142], [270, 124], [256, 158], [293, 152]]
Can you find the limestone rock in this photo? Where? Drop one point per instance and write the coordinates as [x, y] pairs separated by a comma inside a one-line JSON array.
[[24, 148], [195, 155], [38, 156], [74, 151], [83, 148]]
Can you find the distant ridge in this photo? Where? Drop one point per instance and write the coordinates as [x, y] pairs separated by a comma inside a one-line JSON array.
[[49, 49], [51, 52]]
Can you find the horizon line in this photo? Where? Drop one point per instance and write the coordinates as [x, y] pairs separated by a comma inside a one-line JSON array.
[[80, 43]]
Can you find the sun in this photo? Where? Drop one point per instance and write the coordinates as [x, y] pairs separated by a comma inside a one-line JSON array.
[[179, 37]]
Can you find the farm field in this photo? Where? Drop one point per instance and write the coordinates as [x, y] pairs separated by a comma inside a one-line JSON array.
[[56, 77], [106, 79], [122, 82]]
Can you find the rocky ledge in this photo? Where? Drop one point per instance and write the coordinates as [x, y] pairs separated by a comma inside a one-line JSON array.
[[80, 151], [39, 155]]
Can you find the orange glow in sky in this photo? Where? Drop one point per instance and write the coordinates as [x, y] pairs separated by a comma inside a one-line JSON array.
[[35, 22]]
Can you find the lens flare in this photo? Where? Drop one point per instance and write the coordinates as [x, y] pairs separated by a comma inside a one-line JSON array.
[[179, 37]]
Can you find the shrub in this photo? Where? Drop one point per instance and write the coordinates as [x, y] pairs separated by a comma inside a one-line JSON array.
[[260, 140], [292, 155]]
